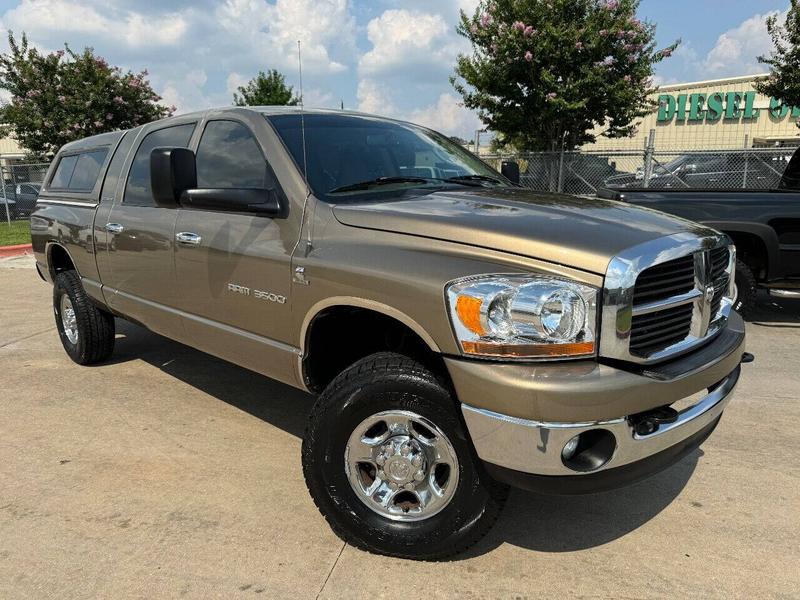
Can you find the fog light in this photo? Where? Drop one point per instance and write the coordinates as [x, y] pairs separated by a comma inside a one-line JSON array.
[[570, 447], [589, 450]]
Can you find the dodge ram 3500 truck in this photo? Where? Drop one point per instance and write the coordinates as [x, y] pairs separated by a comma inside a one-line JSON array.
[[462, 333]]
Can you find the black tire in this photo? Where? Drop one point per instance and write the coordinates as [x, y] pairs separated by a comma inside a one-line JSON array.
[[746, 288], [381, 382], [95, 327]]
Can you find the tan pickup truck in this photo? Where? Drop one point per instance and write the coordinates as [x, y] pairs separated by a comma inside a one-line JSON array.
[[462, 333]]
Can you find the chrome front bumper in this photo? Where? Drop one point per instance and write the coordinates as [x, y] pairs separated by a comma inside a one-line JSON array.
[[535, 447]]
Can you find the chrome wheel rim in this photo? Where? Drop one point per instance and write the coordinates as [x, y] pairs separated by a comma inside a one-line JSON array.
[[68, 320], [401, 465]]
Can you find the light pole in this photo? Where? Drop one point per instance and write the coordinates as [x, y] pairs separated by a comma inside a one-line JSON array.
[[478, 141]]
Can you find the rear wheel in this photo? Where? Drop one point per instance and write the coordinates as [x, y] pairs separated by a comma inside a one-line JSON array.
[[86, 332], [389, 465], [746, 289]]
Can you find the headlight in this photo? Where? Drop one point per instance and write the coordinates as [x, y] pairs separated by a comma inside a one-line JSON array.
[[523, 316]]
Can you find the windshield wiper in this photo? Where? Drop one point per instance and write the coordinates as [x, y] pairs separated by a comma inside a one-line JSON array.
[[467, 180], [365, 185], [463, 178]]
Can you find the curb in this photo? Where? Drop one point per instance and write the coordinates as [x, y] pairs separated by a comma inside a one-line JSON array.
[[19, 250]]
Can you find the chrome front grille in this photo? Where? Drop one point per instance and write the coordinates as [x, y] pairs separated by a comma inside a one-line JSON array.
[[655, 331], [665, 297]]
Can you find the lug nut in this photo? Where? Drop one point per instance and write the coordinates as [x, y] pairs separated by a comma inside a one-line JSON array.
[[392, 485], [417, 460], [409, 486], [381, 460], [419, 475], [381, 474], [405, 450]]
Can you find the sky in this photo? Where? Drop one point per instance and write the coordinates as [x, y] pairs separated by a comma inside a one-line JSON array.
[[391, 57]]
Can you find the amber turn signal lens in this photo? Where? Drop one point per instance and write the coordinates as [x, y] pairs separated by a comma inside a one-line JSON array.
[[528, 350], [468, 310]]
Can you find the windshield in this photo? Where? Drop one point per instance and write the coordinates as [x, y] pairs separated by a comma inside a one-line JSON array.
[[355, 157]]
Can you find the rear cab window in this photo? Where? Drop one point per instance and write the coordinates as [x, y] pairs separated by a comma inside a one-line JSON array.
[[79, 172]]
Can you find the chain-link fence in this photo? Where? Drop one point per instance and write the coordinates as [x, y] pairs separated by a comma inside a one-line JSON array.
[[21, 185], [584, 172]]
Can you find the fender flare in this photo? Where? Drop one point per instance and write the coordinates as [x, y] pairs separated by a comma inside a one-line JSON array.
[[48, 251], [762, 231], [372, 305]]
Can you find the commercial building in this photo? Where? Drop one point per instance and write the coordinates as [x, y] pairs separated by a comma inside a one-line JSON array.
[[716, 114]]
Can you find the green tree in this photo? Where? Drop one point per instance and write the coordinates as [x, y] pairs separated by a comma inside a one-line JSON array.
[[543, 72], [63, 96], [783, 82], [266, 89]]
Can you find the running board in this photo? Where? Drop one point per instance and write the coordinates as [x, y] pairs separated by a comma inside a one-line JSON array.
[[785, 293]]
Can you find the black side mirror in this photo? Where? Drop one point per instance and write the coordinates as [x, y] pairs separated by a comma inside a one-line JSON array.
[[510, 170], [172, 172]]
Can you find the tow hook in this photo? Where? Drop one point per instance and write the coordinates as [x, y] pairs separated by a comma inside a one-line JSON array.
[[648, 422], [747, 358]]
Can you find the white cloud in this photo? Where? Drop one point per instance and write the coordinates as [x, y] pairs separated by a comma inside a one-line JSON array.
[[373, 97], [234, 82], [447, 115], [117, 26], [736, 50], [325, 29], [412, 55], [402, 38]]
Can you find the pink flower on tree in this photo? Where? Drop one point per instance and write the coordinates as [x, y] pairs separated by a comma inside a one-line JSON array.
[[552, 96], [529, 31], [519, 25], [612, 4], [486, 19], [529, 56], [578, 45]]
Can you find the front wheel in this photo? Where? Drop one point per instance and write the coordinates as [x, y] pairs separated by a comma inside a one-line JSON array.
[[388, 463], [746, 290]]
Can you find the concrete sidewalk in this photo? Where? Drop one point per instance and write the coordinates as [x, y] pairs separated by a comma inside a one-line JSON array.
[[169, 473]]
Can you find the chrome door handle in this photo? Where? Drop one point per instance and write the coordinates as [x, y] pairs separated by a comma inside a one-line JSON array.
[[114, 228], [188, 238]]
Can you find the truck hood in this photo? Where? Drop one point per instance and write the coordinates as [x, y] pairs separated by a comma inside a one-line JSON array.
[[583, 233]]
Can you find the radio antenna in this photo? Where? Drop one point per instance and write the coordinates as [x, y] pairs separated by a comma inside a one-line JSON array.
[[302, 118]]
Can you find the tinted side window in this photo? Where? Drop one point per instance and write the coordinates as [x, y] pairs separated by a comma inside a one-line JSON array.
[[137, 190], [63, 172], [229, 157], [87, 169]]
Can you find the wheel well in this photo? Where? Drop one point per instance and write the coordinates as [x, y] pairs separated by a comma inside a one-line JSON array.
[[59, 260], [339, 336], [752, 251]]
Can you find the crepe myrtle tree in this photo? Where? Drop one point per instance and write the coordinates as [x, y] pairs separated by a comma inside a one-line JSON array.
[[63, 96], [543, 73], [783, 82]]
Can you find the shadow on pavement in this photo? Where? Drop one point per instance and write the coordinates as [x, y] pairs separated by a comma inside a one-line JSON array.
[[264, 398], [568, 523], [536, 522]]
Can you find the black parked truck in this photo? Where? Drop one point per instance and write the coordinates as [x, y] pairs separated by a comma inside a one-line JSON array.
[[763, 224]]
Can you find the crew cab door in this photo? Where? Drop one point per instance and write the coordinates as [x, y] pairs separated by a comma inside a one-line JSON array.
[[233, 268], [137, 265]]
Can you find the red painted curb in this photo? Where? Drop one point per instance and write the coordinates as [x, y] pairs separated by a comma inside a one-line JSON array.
[[19, 250]]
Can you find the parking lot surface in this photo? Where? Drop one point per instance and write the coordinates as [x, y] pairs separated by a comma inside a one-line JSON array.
[[168, 473]]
